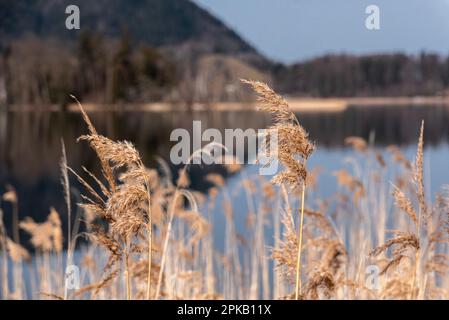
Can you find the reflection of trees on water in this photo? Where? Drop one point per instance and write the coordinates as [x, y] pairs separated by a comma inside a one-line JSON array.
[[391, 125], [30, 146], [3, 128]]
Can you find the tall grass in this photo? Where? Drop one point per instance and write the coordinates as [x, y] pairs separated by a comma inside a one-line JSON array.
[[377, 237]]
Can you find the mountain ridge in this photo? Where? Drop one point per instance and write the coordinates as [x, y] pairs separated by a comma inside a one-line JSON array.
[[160, 23]]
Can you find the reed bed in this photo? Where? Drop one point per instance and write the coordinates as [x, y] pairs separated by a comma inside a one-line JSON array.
[[149, 236]]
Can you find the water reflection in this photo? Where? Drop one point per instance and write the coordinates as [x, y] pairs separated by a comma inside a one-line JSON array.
[[30, 142]]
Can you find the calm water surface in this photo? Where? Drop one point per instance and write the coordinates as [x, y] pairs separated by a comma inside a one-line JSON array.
[[30, 144]]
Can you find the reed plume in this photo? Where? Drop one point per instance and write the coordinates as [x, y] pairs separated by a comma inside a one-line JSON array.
[[294, 149], [123, 202]]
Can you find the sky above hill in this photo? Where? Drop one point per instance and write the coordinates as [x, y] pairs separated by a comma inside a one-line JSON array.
[[295, 30]]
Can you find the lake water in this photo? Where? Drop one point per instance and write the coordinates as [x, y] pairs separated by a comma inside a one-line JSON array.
[[30, 144]]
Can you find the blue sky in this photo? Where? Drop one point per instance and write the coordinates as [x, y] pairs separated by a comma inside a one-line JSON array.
[[294, 30]]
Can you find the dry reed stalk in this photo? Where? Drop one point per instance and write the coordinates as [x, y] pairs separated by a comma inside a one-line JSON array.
[[66, 187], [277, 290], [207, 151], [404, 241], [232, 274], [124, 203], [294, 149], [11, 196], [298, 262], [127, 274], [150, 236], [18, 255], [165, 245], [150, 254], [3, 242], [418, 176], [253, 216]]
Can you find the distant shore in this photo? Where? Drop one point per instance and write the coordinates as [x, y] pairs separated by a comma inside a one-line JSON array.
[[297, 104]]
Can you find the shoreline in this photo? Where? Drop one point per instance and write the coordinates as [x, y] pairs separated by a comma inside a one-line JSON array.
[[296, 104]]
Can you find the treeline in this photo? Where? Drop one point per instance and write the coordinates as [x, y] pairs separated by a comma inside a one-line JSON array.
[[371, 75], [37, 71], [34, 71]]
